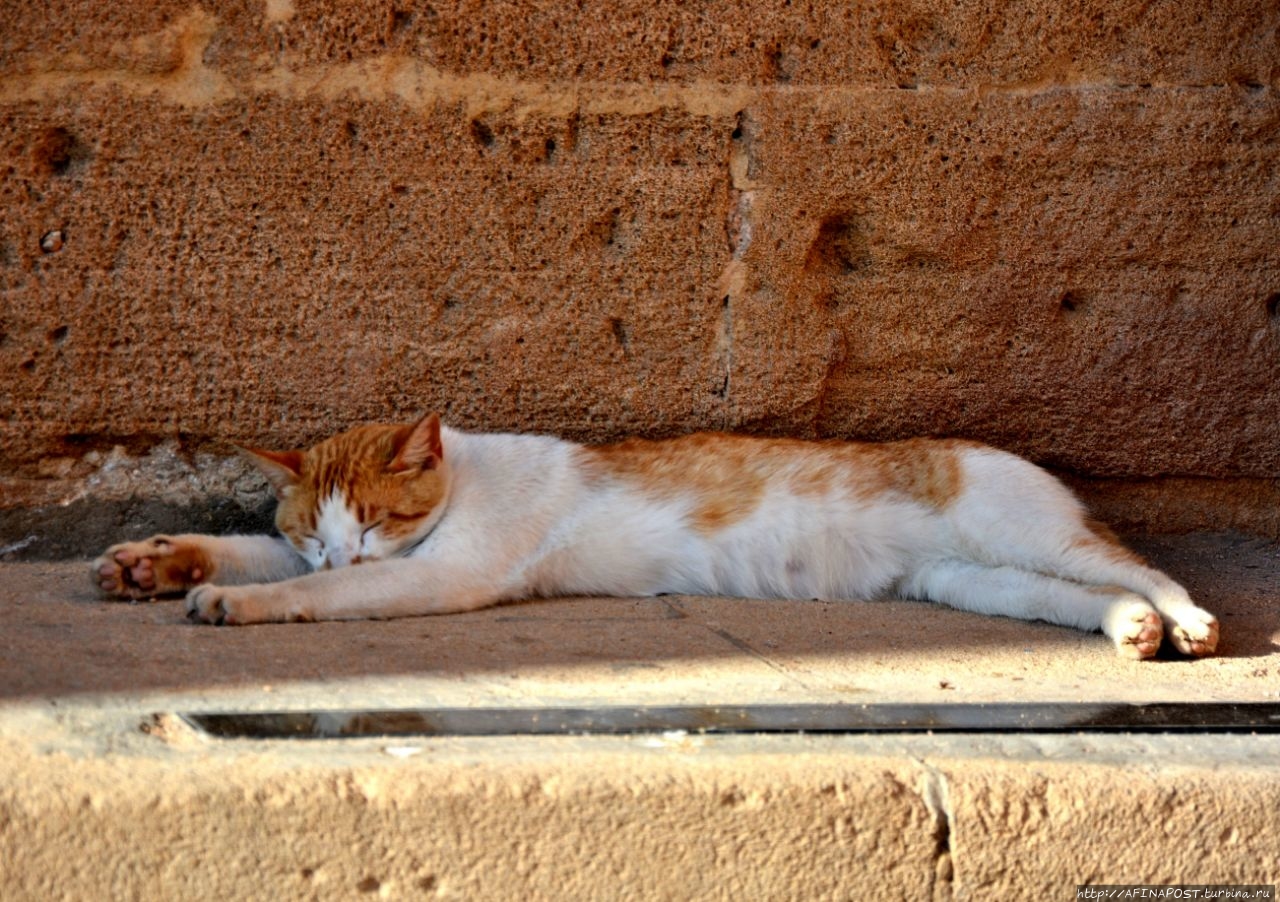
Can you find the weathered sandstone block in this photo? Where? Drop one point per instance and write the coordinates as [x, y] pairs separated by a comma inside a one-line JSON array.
[[1052, 229], [922, 42], [268, 271], [1086, 277]]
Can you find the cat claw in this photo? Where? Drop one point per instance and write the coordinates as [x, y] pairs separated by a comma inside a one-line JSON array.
[[230, 605], [209, 604]]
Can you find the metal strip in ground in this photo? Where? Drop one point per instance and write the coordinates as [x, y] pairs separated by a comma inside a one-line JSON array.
[[1176, 717]]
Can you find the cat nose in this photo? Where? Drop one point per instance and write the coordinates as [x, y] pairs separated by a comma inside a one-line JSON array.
[[341, 557]]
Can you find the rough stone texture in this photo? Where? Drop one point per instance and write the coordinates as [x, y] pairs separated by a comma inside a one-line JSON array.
[[563, 820], [1050, 228], [1047, 271], [756, 43], [795, 818], [1074, 817]]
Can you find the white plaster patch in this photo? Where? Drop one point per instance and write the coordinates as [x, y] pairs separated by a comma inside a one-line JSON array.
[[279, 11], [402, 751]]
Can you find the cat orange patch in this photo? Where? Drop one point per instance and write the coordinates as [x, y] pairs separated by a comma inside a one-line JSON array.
[[185, 566], [1102, 539], [723, 475], [296, 512], [815, 476], [926, 470]]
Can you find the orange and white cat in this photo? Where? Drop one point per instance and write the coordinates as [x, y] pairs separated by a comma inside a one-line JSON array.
[[440, 520]]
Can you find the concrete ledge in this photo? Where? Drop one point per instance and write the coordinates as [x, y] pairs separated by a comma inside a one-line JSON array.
[[644, 817]]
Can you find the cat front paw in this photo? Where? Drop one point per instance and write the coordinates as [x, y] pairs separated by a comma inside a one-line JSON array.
[[160, 565], [239, 605], [220, 606]]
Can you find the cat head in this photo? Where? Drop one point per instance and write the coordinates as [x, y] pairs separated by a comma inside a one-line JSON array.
[[365, 495]]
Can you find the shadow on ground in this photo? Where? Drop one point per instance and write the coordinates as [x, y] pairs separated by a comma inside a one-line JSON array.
[[58, 639]]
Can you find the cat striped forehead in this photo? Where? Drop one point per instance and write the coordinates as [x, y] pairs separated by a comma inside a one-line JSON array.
[[346, 463]]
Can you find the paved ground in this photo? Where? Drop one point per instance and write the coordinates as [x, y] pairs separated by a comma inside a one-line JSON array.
[[107, 795], [57, 640]]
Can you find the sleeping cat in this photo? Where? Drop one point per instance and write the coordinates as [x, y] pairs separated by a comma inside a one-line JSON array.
[[440, 521]]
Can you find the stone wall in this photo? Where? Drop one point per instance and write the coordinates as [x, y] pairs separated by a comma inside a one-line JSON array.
[[1054, 227]]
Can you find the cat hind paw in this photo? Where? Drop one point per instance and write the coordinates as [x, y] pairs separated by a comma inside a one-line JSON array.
[[1193, 632], [1136, 629]]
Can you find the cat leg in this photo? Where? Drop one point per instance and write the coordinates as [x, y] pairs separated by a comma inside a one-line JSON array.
[[1014, 514], [374, 591], [1128, 619], [1090, 554], [1191, 629], [164, 565]]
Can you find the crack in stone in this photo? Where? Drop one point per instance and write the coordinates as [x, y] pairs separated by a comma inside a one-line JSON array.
[[194, 83], [170, 63], [935, 792], [739, 233], [746, 648], [726, 345]]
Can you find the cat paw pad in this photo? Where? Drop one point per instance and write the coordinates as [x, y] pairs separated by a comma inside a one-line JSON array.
[[159, 565], [1194, 632], [1136, 630]]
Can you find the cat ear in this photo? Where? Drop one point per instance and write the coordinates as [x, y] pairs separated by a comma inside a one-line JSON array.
[[283, 469], [418, 447]]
